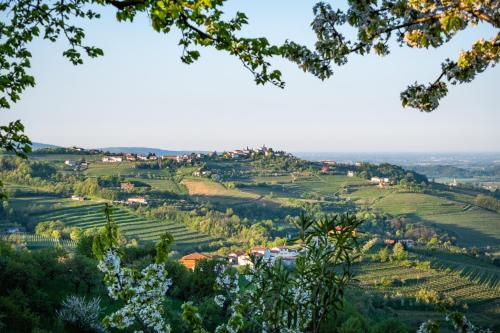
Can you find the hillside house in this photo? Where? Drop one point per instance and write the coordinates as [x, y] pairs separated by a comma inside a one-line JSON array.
[[328, 162], [127, 186], [348, 228], [112, 159], [407, 243], [142, 157], [358, 164], [77, 198], [137, 200], [350, 173], [240, 258], [152, 157], [325, 169], [232, 257], [190, 260], [131, 157], [389, 242], [71, 163]]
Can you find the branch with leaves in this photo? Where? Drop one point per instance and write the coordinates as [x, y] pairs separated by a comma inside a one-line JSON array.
[[414, 23]]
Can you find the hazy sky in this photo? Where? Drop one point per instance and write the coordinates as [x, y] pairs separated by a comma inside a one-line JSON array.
[[140, 94]]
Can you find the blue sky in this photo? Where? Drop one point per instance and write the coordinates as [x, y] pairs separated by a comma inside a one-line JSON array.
[[140, 94]]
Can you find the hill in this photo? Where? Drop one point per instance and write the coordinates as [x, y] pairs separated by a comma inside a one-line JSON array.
[[147, 150]]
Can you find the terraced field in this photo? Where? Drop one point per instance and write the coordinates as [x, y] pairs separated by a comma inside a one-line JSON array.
[[131, 225], [35, 242], [468, 267], [90, 215], [480, 299]]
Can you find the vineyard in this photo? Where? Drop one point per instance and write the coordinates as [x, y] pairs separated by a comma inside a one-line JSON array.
[[400, 284], [131, 225], [35, 242], [467, 267]]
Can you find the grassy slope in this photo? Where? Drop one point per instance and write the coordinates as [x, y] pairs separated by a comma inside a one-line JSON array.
[[472, 225]]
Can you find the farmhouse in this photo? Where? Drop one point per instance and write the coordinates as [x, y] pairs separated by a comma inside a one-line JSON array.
[[127, 186], [131, 157], [407, 243], [389, 242], [71, 163], [328, 162], [112, 159], [239, 258], [192, 259], [77, 198], [142, 157], [137, 200], [169, 157], [350, 173]]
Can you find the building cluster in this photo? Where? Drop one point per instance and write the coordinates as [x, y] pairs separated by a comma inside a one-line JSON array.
[[249, 152], [240, 258], [133, 201], [380, 182], [112, 159], [76, 165], [407, 243]]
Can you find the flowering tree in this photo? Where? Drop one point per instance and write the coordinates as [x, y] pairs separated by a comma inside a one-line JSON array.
[[414, 23], [459, 322], [142, 292]]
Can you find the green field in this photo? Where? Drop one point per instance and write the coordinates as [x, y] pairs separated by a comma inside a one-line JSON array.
[[472, 225]]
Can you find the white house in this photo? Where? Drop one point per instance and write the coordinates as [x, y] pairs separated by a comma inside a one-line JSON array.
[[71, 163], [137, 200], [112, 159], [350, 173]]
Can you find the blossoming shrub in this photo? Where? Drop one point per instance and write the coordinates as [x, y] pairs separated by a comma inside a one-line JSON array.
[[80, 315], [142, 292]]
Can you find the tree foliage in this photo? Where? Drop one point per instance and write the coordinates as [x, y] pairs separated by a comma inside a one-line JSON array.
[[416, 24]]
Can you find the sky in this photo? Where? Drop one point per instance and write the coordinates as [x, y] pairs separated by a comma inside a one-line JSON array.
[[141, 94]]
